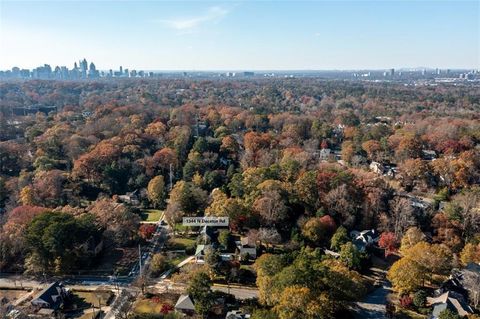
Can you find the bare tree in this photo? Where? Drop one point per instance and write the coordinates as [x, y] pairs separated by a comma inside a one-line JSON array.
[[269, 236], [271, 207], [471, 281], [468, 207], [402, 216]]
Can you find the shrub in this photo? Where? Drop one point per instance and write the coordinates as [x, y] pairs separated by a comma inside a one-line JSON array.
[[420, 298], [406, 301], [166, 308]]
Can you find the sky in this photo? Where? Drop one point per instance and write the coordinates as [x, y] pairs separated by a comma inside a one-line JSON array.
[[241, 35]]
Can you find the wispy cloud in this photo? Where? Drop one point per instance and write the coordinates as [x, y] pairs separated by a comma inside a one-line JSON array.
[[214, 13]]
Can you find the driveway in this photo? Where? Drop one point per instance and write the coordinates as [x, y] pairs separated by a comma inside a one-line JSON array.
[[373, 306]]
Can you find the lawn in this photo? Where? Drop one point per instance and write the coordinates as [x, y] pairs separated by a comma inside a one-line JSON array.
[[12, 294], [181, 243], [151, 215], [148, 306], [115, 260], [179, 228], [82, 303], [154, 304], [408, 314], [175, 259], [85, 299], [89, 315]]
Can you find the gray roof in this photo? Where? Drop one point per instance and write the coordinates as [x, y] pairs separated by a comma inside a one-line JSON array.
[[184, 302], [53, 295], [450, 300]]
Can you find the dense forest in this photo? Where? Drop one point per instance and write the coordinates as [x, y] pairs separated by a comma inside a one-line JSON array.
[[297, 165]]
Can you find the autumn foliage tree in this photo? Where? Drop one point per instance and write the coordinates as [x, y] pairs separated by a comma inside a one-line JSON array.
[[156, 190], [388, 242]]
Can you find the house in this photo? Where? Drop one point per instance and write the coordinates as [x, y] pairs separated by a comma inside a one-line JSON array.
[[208, 235], [429, 155], [237, 314], [419, 202], [390, 170], [200, 253], [185, 305], [465, 282], [449, 300], [131, 198], [324, 154], [244, 248], [52, 297], [377, 167], [364, 239], [386, 169], [337, 154]]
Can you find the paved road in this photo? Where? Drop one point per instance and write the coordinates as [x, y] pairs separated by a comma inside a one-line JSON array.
[[239, 293]]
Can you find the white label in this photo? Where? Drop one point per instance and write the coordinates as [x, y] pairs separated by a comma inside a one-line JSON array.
[[205, 221]]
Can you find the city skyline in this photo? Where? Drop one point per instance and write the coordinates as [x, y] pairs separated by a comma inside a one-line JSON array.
[[244, 35]]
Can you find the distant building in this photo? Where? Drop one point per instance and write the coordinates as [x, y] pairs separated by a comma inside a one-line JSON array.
[[429, 155], [324, 154], [377, 168], [237, 314], [131, 198], [93, 72]]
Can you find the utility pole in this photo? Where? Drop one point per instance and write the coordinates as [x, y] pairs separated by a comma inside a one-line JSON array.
[[171, 176]]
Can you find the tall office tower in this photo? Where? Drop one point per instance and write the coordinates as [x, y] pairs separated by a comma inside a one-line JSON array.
[[392, 72], [84, 68], [93, 73], [84, 65]]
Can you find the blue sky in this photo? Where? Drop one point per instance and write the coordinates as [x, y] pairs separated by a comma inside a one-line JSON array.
[[241, 35]]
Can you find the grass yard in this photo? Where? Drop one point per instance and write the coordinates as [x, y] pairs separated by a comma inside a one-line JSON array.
[[181, 243], [151, 215], [148, 306], [12, 294], [85, 299], [118, 260], [408, 314], [154, 304], [179, 228], [89, 315], [176, 258]]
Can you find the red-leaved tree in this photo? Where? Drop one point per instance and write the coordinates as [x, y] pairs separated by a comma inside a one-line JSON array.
[[388, 241]]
